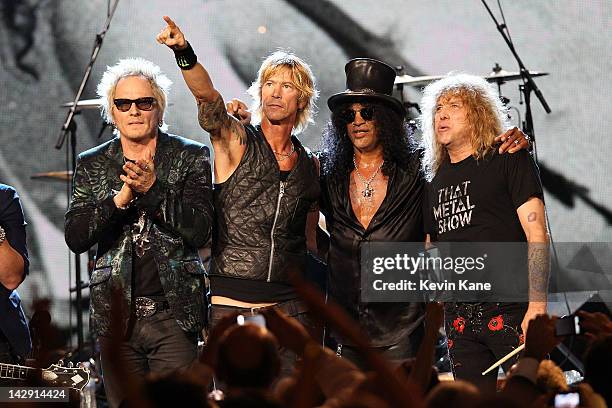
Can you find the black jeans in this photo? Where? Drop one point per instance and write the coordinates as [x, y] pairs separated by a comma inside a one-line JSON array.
[[395, 353], [294, 308], [157, 344], [479, 335]]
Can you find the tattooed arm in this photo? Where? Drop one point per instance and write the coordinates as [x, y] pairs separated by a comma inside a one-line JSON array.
[[531, 215], [227, 134]]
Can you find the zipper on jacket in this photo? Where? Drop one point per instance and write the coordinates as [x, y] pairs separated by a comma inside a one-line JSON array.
[[280, 196]]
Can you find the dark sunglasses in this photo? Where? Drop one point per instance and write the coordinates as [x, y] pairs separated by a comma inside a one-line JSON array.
[[145, 104], [366, 113]]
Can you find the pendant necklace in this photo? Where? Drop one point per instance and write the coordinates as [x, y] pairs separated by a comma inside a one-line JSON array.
[[368, 191]]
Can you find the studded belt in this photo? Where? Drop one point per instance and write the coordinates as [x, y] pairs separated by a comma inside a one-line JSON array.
[[147, 307]]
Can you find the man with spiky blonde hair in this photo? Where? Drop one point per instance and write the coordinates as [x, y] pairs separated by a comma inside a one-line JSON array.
[[476, 194], [144, 199], [267, 185]]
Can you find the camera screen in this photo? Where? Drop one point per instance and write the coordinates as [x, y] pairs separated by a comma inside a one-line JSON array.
[[569, 400]]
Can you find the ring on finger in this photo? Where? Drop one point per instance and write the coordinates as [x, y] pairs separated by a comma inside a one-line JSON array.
[[516, 142]]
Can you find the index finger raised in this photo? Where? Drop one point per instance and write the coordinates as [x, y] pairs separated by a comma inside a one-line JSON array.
[[169, 21]]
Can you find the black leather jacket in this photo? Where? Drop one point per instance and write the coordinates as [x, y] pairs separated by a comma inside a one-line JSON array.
[[399, 218], [179, 210], [261, 221]]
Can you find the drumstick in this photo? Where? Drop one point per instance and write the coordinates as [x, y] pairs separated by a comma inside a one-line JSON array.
[[504, 359]]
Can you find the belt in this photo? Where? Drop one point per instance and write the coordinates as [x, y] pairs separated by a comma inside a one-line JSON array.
[[291, 307], [147, 307]]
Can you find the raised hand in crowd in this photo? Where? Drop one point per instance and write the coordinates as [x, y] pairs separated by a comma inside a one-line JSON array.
[[392, 386], [541, 339], [422, 368], [595, 324], [209, 353]]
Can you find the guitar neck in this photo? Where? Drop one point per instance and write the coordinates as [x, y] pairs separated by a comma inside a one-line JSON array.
[[15, 372]]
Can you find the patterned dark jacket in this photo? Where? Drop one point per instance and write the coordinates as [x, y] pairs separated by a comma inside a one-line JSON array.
[[179, 210]]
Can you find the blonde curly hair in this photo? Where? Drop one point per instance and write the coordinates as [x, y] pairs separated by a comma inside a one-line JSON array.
[[486, 115]]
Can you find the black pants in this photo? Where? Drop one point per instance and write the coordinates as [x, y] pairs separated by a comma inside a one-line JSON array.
[[479, 335], [294, 308], [396, 353], [157, 344]]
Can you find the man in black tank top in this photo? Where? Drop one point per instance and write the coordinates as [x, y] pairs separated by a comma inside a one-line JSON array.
[[266, 192]]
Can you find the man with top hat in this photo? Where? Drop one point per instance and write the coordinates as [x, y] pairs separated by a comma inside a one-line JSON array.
[[372, 190]]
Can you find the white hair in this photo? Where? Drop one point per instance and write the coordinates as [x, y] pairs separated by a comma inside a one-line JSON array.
[[497, 115], [160, 84]]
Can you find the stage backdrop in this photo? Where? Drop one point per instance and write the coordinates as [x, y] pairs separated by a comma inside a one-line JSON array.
[[45, 46]]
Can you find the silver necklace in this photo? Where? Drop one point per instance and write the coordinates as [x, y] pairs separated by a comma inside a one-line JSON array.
[[285, 156], [368, 191]]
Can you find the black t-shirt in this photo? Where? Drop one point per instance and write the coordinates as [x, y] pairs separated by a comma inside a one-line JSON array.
[[146, 276], [249, 290], [476, 200], [145, 272]]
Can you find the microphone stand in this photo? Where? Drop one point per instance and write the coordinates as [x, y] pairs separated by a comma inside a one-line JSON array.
[[529, 84], [69, 127], [526, 88]]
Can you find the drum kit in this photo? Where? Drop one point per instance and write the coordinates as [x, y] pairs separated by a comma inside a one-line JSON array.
[[497, 75]]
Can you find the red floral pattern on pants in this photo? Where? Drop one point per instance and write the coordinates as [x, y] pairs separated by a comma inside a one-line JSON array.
[[496, 323], [459, 324]]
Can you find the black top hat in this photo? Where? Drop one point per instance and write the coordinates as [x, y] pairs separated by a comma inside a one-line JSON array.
[[367, 78]]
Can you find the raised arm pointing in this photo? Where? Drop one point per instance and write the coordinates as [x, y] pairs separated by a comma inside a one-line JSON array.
[[227, 134]]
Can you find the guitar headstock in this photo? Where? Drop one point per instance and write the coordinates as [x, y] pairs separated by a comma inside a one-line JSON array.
[[71, 377]]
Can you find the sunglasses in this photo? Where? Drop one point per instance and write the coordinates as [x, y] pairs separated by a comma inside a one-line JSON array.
[[366, 113], [145, 104]]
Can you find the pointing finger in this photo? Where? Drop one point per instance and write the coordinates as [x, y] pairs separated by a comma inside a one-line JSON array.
[[169, 21]]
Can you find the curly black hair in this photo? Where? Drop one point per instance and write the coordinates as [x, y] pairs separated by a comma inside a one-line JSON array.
[[393, 133]]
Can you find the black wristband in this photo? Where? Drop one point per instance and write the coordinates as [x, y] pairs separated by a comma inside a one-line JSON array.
[[186, 58]]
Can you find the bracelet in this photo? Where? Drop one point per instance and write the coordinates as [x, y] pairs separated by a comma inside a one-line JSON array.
[[186, 58]]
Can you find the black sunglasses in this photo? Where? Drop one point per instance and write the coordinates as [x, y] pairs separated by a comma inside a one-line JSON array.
[[145, 104], [366, 113]]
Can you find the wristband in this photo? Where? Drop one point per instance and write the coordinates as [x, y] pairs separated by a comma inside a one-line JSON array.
[[186, 58]]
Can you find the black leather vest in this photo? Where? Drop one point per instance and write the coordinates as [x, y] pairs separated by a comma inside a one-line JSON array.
[[260, 221]]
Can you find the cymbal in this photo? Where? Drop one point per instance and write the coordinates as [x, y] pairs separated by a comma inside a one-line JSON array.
[[503, 76], [85, 104], [416, 81], [53, 175]]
